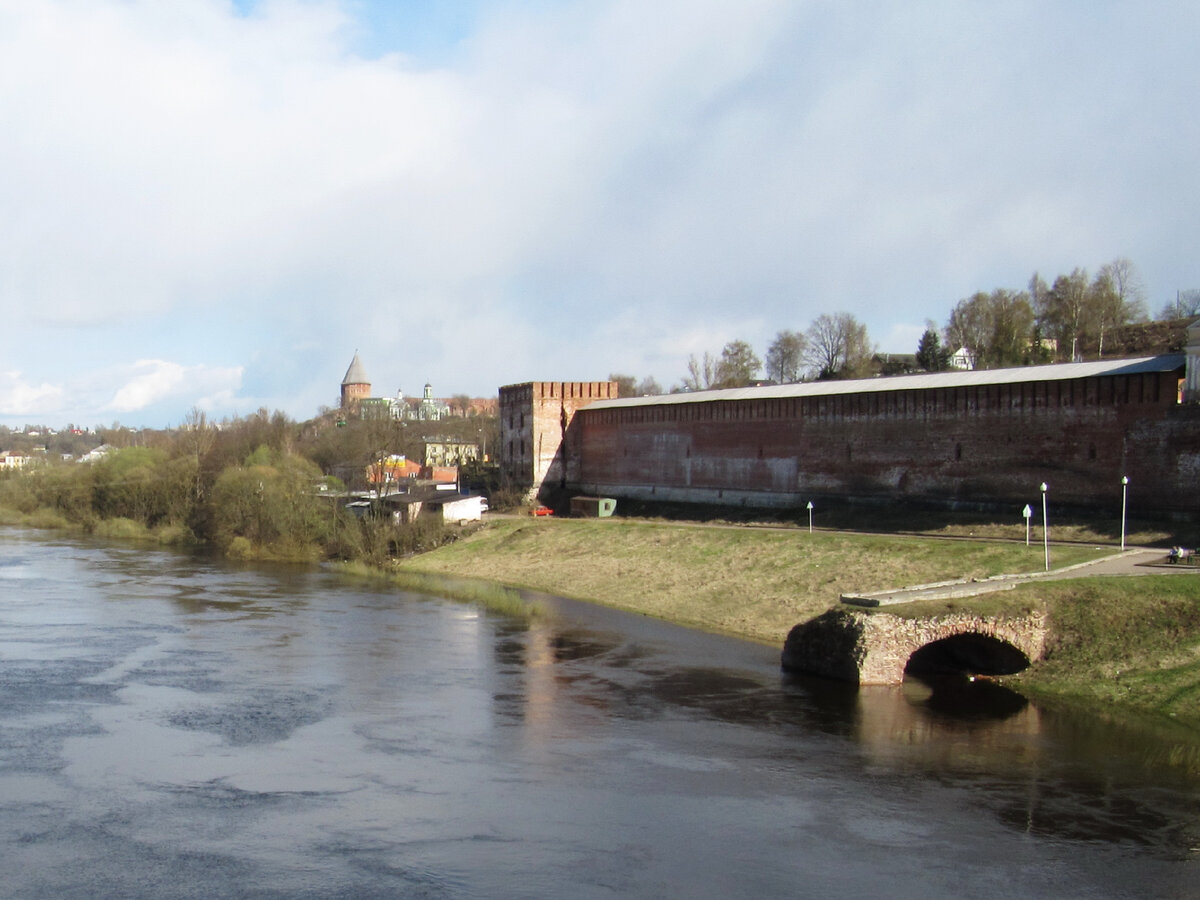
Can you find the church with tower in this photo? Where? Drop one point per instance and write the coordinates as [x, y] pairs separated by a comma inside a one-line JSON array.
[[355, 399]]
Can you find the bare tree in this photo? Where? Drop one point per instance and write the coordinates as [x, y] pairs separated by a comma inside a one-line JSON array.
[[1062, 312], [198, 437], [996, 329], [785, 356], [1116, 299], [968, 327], [1185, 305], [838, 346], [462, 403], [702, 374]]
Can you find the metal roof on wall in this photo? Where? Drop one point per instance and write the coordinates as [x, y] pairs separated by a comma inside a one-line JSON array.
[[1020, 375]]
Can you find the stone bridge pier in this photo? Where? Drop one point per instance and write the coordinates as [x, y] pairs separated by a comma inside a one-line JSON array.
[[877, 648]]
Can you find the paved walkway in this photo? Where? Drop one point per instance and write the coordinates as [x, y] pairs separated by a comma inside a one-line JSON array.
[[1132, 562]]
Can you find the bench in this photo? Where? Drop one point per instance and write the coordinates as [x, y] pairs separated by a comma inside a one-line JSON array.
[[1183, 558]]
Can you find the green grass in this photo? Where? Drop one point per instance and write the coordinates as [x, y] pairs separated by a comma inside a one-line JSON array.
[[1131, 643], [486, 594], [752, 582]]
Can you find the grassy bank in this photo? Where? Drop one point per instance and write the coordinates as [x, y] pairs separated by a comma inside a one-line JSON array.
[[1127, 643], [751, 582], [1131, 644]]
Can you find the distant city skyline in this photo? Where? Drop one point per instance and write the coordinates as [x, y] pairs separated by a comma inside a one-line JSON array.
[[213, 203]]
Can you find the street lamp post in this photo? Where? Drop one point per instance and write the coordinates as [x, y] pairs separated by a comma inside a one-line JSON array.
[[810, 508], [1045, 527], [1027, 512], [1124, 497]]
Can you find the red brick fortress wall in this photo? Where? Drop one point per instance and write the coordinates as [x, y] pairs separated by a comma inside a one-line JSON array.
[[984, 443]]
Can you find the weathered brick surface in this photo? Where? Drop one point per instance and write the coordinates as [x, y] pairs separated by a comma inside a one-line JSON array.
[[534, 423], [984, 444]]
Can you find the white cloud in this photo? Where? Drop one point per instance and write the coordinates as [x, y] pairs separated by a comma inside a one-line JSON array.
[[18, 398], [154, 380], [577, 188]]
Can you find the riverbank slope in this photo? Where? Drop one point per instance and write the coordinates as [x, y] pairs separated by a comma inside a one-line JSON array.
[[752, 582], [1128, 642]]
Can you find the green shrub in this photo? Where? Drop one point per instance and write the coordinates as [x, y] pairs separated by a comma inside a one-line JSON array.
[[47, 518], [121, 529], [174, 535], [16, 492]]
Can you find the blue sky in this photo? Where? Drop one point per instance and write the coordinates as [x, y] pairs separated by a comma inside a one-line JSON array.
[[213, 203]]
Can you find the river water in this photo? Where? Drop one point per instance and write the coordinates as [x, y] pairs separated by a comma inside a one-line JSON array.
[[178, 727]]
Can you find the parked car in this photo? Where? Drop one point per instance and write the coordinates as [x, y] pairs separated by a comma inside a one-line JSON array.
[[541, 511]]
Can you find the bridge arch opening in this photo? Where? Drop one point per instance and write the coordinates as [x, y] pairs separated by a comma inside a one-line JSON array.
[[969, 653]]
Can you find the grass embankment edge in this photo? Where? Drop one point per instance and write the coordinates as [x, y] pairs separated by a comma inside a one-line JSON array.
[[1128, 643]]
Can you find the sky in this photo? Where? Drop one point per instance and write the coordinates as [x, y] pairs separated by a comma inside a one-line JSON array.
[[213, 204]]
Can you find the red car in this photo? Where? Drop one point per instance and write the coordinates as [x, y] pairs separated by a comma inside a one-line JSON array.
[[541, 511]]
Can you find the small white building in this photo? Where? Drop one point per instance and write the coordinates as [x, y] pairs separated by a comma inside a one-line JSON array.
[[13, 459], [961, 359]]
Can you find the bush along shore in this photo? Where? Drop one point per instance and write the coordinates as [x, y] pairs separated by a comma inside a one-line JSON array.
[[270, 504]]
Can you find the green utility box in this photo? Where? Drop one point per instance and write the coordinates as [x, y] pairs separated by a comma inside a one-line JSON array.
[[592, 507]]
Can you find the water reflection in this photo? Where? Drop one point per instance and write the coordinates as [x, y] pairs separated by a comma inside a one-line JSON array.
[[314, 736]]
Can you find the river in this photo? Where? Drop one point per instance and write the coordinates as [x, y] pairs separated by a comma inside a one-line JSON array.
[[173, 726]]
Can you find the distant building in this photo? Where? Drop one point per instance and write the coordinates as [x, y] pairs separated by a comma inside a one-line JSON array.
[[961, 359], [450, 452], [13, 459], [356, 400], [431, 410], [97, 454], [382, 408], [356, 387]]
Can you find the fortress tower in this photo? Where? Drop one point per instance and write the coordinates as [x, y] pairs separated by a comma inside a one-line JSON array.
[[536, 453], [355, 386]]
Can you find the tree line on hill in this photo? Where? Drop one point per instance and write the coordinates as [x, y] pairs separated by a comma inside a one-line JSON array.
[[1070, 319]]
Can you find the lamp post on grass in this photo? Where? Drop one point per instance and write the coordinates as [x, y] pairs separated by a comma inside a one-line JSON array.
[[1045, 527], [1027, 512], [1124, 496], [810, 516]]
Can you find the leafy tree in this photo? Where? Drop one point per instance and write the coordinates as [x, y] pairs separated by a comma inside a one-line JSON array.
[[996, 329], [738, 365], [629, 386], [931, 355], [269, 504], [649, 387], [626, 384], [838, 347], [1011, 329], [785, 357], [141, 484]]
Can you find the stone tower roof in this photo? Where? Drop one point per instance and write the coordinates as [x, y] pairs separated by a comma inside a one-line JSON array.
[[356, 374]]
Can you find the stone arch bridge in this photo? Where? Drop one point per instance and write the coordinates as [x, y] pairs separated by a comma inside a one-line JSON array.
[[877, 648]]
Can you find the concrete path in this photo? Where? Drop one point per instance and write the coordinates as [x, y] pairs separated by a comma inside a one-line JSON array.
[[1132, 562]]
